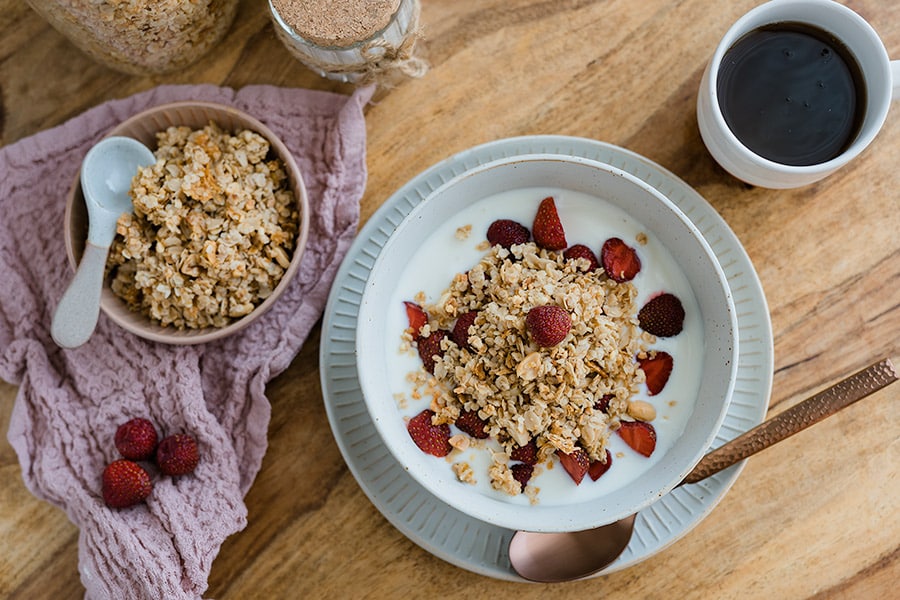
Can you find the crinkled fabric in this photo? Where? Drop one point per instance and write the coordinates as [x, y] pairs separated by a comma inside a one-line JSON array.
[[70, 402]]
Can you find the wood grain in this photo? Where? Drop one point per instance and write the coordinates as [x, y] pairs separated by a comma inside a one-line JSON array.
[[814, 517]]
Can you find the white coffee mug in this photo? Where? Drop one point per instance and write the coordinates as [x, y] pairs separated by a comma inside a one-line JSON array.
[[881, 77]]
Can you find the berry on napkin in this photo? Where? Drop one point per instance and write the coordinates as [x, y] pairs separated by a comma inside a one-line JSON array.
[[136, 439], [177, 455], [125, 483]]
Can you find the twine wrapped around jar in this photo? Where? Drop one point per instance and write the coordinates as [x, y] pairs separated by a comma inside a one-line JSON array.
[[357, 41]]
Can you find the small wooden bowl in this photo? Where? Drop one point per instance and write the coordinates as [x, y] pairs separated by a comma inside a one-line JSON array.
[[144, 127]]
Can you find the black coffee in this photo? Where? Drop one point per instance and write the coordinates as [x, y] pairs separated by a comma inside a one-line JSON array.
[[792, 93]]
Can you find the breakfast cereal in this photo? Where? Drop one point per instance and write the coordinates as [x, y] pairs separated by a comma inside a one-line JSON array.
[[212, 233]]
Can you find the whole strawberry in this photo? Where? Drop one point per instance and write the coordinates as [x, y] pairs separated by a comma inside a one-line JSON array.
[[136, 439], [522, 473], [582, 251], [460, 333], [662, 316], [125, 483], [506, 233], [177, 454], [548, 325]]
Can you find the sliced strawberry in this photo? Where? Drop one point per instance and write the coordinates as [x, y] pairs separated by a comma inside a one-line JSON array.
[[548, 325], [576, 464], [620, 261], [603, 403], [429, 347], [431, 439], [639, 435], [599, 467], [460, 333], [506, 233], [522, 473], [657, 369], [469, 422], [527, 453], [416, 315], [663, 315], [547, 229], [582, 251]]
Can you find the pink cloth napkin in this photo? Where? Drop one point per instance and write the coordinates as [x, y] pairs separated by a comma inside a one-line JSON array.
[[70, 402]]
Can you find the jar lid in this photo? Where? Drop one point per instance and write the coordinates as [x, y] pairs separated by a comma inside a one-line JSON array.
[[338, 23]]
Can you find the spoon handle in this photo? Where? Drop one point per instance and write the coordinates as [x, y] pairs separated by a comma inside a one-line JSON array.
[[78, 309], [795, 419]]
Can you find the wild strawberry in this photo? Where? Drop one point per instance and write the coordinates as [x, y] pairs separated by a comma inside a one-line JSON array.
[[416, 315], [527, 453], [662, 316], [639, 435], [469, 422], [576, 464], [582, 251], [125, 483], [429, 347], [136, 439], [548, 325], [603, 403], [460, 333], [522, 473], [599, 467], [506, 233], [620, 261], [431, 439], [177, 454], [547, 229], [657, 370]]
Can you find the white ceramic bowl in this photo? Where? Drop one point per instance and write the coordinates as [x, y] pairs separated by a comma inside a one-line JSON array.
[[143, 127], [713, 350]]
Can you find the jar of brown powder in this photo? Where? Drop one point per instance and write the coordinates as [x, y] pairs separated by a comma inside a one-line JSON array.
[[357, 41], [141, 37]]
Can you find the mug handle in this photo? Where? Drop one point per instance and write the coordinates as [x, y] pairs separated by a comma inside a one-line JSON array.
[[895, 76]]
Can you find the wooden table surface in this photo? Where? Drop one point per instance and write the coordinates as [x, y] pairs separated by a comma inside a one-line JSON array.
[[815, 517]]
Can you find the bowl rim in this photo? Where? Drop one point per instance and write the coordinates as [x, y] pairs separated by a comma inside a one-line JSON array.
[[150, 330], [542, 518]]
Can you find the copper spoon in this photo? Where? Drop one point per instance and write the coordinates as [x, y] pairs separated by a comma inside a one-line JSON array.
[[554, 557]]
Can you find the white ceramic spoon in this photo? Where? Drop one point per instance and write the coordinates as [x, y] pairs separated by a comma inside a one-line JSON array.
[[106, 175]]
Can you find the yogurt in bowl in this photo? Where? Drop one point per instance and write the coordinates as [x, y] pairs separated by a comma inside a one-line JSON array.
[[446, 235]]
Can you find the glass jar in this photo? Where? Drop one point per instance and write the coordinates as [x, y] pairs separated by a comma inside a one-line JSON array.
[[141, 37], [356, 41]]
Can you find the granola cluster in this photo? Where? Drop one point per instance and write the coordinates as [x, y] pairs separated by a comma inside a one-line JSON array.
[[213, 229], [522, 391]]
